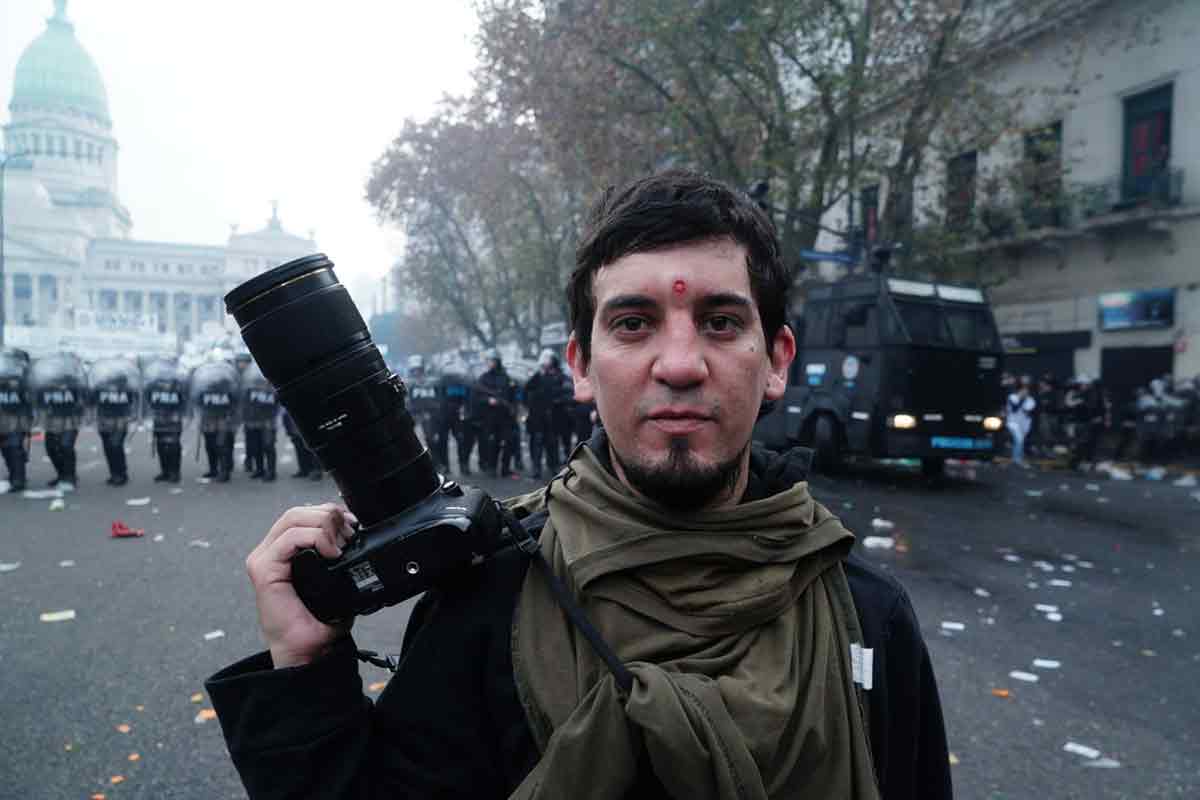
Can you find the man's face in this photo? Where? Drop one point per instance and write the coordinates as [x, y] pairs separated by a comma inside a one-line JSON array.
[[679, 368]]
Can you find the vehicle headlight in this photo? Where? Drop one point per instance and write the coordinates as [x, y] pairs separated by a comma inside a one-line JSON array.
[[904, 421], [993, 423]]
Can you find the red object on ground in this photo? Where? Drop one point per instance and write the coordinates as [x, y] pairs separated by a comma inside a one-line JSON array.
[[122, 531]]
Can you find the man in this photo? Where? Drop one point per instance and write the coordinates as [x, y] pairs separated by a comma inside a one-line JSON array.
[[115, 397], [60, 387], [494, 399], [424, 404], [544, 399], [720, 587], [1019, 418], [1086, 405], [307, 465], [16, 416], [259, 409], [165, 395], [454, 391]]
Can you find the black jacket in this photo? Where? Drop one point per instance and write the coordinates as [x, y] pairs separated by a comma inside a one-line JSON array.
[[450, 724]]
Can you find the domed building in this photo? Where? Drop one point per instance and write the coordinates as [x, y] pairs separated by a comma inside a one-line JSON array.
[[73, 276]]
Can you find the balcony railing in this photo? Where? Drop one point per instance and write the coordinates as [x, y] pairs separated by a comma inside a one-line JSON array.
[[1161, 190]]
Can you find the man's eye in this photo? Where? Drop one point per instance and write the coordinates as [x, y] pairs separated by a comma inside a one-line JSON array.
[[630, 325], [723, 324]]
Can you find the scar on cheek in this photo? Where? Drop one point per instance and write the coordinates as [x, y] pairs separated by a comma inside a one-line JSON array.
[[679, 286]]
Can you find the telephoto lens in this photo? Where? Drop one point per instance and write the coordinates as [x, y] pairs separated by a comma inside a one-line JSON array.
[[312, 344]]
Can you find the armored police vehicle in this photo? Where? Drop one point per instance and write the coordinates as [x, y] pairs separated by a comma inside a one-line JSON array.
[[891, 368]]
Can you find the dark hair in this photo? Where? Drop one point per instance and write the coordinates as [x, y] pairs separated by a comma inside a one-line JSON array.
[[671, 208]]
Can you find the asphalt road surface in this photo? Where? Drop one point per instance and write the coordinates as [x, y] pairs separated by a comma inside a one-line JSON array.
[[111, 702]]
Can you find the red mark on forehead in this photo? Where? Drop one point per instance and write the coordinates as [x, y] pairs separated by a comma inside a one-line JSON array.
[[679, 287]]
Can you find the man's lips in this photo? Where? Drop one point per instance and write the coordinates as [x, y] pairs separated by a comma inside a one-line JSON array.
[[676, 421]]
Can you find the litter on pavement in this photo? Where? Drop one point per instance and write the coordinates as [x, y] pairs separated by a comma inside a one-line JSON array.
[[1018, 675], [1046, 608], [1081, 750], [1046, 663], [879, 542], [953, 626], [205, 715], [41, 494], [1092, 487], [1103, 763], [1012, 557], [1044, 566], [138, 501], [1054, 616], [881, 524], [66, 563], [1059, 582], [9, 566], [217, 634], [979, 592], [198, 543], [122, 531], [58, 504], [58, 616], [158, 537], [175, 490], [1186, 482]]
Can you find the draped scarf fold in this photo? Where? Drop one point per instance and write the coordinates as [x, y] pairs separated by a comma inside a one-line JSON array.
[[736, 625]]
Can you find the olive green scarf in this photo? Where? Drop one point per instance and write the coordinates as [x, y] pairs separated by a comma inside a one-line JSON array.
[[736, 625]]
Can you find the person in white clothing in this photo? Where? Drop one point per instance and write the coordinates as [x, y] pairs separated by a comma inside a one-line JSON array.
[[1019, 418]]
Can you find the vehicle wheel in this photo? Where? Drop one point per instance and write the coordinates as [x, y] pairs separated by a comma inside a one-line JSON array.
[[933, 467], [827, 445]]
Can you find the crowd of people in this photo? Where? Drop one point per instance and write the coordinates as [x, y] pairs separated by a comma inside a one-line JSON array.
[[59, 395], [488, 412], [1044, 418]]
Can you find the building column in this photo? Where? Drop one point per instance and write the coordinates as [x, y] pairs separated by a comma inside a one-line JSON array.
[[195, 314], [9, 297], [170, 312], [35, 289]]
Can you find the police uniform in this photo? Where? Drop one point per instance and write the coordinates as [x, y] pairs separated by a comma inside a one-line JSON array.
[[16, 417], [541, 396], [165, 395], [216, 392], [424, 404], [59, 387], [454, 419], [306, 461], [259, 409], [492, 402], [114, 396]]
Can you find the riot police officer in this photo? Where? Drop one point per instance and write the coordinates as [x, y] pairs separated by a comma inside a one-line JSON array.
[[306, 460], [16, 415], [166, 396], [548, 421], [215, 391], [493, 400], [259, 409], [116, 384], [59, 386], [454, 419], [424, 404]]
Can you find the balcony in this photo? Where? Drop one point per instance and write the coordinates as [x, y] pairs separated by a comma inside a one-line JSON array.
[[1123, 195]]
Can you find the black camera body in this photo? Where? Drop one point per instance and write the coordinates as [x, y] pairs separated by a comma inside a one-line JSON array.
[[387, 563], [314, 348]]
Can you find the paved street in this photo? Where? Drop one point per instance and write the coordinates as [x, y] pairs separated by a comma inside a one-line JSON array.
[[1117, 561]]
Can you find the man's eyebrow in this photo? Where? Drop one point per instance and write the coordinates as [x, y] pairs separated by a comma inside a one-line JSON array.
[[624, 302], [719, 299]]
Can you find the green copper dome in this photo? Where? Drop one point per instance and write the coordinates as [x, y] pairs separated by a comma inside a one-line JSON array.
[[55, 72]]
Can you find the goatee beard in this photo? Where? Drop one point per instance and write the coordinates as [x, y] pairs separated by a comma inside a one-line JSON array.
[[681, 483]]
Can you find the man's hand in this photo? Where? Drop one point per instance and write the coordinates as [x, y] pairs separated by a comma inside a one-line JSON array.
[[293, 635]]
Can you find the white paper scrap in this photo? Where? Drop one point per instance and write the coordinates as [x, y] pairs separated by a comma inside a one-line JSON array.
[[41, 494], [217, 634], [1012, 557], [953, 626], [138, 501], [58, 616], [1054, 616], [1103, 763], [1092, 487], [880, 524], [58, 504], [980, 592], [175, 490], [1059, 582], [158, 537], [1046, 608], [1081, 750], [1046, 663], [199, 543], [1018, 675], [66, 563], [879, 542]]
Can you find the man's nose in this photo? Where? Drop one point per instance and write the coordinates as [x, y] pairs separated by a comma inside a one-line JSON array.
[[680, 363]]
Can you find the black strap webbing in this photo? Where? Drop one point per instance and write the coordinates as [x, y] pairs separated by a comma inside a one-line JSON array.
[[529, 545]]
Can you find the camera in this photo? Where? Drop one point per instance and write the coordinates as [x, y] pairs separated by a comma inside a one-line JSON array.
[[416, 528]]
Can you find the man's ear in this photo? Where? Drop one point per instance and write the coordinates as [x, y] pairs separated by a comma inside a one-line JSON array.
[[584, 392], [783, 351]]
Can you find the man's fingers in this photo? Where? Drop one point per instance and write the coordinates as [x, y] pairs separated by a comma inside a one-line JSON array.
[[305, 517], [273, 562]]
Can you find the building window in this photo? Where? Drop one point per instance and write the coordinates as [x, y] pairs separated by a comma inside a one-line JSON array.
[[37, 144], [112, 264], [185, 269], [162, 268], [133, 302], [158, 307], [1042, 204], [108, 299], [1144, 173], [960, 190], [137, 266], [78, 149]]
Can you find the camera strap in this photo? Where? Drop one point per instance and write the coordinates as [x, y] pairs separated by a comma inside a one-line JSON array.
[[523, 537]]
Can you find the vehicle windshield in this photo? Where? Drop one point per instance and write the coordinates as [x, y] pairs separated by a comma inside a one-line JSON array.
[[948, 326]]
